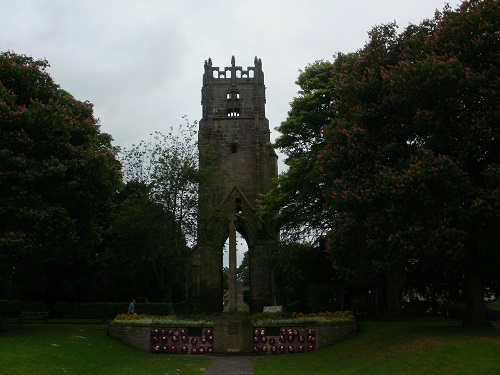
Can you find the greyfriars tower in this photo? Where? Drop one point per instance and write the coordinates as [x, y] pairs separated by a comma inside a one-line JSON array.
[[234, 122]]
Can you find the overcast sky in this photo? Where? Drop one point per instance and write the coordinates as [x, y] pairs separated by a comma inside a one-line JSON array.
[[141, 62]]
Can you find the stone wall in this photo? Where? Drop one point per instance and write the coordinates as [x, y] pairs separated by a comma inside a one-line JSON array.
[[299, 338], [329, 335], [267, 340], [135, 336]]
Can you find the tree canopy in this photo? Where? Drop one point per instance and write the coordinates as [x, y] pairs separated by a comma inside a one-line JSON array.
[[168, 165], [57, 179], [166, 170], [296, 204], [411, 156], [144, 247]]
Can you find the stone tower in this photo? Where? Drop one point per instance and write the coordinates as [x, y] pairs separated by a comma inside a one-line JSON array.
[[234, 121]]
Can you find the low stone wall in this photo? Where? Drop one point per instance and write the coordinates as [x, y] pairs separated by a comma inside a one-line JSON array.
[[266, 340], [300, 338], [135, 336], [329, 335], [165, 339]]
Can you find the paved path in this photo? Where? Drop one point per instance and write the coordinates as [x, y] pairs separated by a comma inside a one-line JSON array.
[[230, 365]]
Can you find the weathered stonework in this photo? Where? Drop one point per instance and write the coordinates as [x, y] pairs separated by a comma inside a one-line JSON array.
[[331, 334], [234, 335], [233, 101], [299, 338], [161, 339], [135, 336]]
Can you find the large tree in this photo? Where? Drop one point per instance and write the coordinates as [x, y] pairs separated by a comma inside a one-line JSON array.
[[168, 166], [306, 278], [146, 255], [295, 204], [58, 175], [411, 155]]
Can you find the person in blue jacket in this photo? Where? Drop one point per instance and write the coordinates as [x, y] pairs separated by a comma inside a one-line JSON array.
[[131, 307]]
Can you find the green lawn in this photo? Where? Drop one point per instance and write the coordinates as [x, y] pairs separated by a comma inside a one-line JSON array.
[[413, 347], [81, 349]]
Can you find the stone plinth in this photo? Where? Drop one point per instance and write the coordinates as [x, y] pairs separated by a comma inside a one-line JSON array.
[[233, 334]]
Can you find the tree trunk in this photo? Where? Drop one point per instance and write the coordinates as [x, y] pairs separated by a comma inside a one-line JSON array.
[[475, 314], [163, 282], [394, 279]]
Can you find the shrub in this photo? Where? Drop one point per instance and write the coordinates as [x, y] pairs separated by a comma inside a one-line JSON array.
[[91, 310], [106, 310], [312, 318], [12, 308], [456, 310], [493, 305], [162, 308], [143, 319], [79, 310], [327, 315]]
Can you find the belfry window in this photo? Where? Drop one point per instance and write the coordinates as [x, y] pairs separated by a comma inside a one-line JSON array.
[[233, 103], [233, 112], [234, 148]]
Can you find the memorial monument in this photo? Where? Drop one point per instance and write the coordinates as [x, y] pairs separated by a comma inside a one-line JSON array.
[[234, 122]]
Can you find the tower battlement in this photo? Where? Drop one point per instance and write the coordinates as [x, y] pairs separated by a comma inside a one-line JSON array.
[[233, 74], [233, 91]]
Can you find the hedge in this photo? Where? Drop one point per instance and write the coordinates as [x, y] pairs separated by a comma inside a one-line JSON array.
[[78, 310], [107, 310], [12, 308]]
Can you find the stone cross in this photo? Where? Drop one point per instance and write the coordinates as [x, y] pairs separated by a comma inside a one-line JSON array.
[[233, 290]]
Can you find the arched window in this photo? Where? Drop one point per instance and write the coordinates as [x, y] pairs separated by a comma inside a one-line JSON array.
[[233, 95]]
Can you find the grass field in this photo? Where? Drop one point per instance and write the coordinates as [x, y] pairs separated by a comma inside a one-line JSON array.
[[79, 349], [412, 347]]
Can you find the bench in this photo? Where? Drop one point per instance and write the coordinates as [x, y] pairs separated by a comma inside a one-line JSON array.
[[33, 315]]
